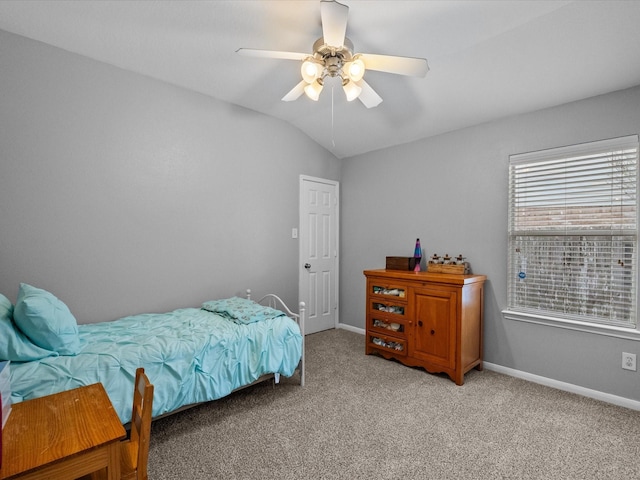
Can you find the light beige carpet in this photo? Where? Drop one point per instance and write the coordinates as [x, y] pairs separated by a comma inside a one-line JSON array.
[[363, 417]]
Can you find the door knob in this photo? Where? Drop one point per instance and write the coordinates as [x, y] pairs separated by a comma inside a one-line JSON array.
[[307, 266]]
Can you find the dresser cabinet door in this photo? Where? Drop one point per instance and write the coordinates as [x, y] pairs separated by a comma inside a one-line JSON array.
[[434, 326]]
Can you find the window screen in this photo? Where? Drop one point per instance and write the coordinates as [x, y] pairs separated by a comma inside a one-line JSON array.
[[573, 232]]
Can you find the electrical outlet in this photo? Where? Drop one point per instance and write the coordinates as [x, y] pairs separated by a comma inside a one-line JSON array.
[[629, 361]]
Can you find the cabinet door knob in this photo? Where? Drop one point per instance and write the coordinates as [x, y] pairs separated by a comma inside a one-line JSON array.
[[433, 332], [419, 323]]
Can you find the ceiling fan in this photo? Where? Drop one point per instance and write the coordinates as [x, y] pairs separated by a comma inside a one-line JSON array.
[[333, 56]]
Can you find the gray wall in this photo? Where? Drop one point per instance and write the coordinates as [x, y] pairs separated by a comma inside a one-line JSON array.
[[121, 194], [451, 191]]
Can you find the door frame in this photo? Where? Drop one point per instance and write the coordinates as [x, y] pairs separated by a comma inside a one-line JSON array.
[[302, 257]]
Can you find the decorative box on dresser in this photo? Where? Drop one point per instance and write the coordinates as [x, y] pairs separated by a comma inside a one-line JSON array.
[[428, 320]]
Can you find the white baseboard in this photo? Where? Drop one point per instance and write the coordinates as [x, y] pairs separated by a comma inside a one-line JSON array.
[[567, 387], [549, 382], [344, 326]]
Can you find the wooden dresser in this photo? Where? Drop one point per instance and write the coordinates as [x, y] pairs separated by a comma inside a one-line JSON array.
[[428, 320]]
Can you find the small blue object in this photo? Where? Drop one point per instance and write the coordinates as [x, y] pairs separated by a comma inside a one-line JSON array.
[[522, 275]]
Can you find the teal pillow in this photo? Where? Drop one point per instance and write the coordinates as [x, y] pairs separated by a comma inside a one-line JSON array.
[[14, 345], [241, 310], [46, 321]]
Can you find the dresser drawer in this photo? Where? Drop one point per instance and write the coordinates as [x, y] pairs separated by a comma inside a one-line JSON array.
[[386, 290], [387, 309], [385, 326], [397, 346]]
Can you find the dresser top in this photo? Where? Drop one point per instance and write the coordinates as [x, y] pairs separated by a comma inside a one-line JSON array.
[[448, 278]]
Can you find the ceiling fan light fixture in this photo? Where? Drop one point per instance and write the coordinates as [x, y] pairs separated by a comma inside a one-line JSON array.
[[351, 90], [355, 69], [333, 57], [313, 90]]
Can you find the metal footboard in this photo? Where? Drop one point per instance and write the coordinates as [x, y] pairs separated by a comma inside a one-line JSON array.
[[274, 301]]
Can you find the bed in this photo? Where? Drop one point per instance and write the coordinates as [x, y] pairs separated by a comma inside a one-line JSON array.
[[191, 355]]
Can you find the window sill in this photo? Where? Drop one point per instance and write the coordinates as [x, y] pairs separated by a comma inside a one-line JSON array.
[[606, 330]]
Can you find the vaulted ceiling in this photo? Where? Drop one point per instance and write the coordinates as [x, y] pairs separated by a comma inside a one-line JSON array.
[[487, 59]]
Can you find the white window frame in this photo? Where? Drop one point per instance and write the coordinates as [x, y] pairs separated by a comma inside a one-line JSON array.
[[548, 318]]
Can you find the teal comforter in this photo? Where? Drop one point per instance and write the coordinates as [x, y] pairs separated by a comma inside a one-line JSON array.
[[191, 355]]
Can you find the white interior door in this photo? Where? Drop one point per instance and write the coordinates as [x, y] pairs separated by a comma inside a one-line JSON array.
[[318, 280]]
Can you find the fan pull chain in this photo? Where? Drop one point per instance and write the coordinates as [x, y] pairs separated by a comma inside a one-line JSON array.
[[333, 140]]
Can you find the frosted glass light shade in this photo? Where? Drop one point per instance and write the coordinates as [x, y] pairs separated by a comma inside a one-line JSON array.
[[310, 70], [351, 90], [355, 70], [313, 90]]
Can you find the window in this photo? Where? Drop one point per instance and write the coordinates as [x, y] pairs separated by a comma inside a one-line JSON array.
[[573, 232]]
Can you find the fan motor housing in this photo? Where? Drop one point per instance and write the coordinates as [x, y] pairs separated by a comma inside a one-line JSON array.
[[333, 58]]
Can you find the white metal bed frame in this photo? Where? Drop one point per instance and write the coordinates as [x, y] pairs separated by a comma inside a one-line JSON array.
[[274, 301]]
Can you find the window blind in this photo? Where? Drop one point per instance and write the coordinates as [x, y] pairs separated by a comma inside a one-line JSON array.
[[573, 232]]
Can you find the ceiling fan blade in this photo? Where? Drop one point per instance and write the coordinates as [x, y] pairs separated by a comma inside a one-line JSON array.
[[334, 22], [254, 52], [415, 67], [295, 92], [368, 96]]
